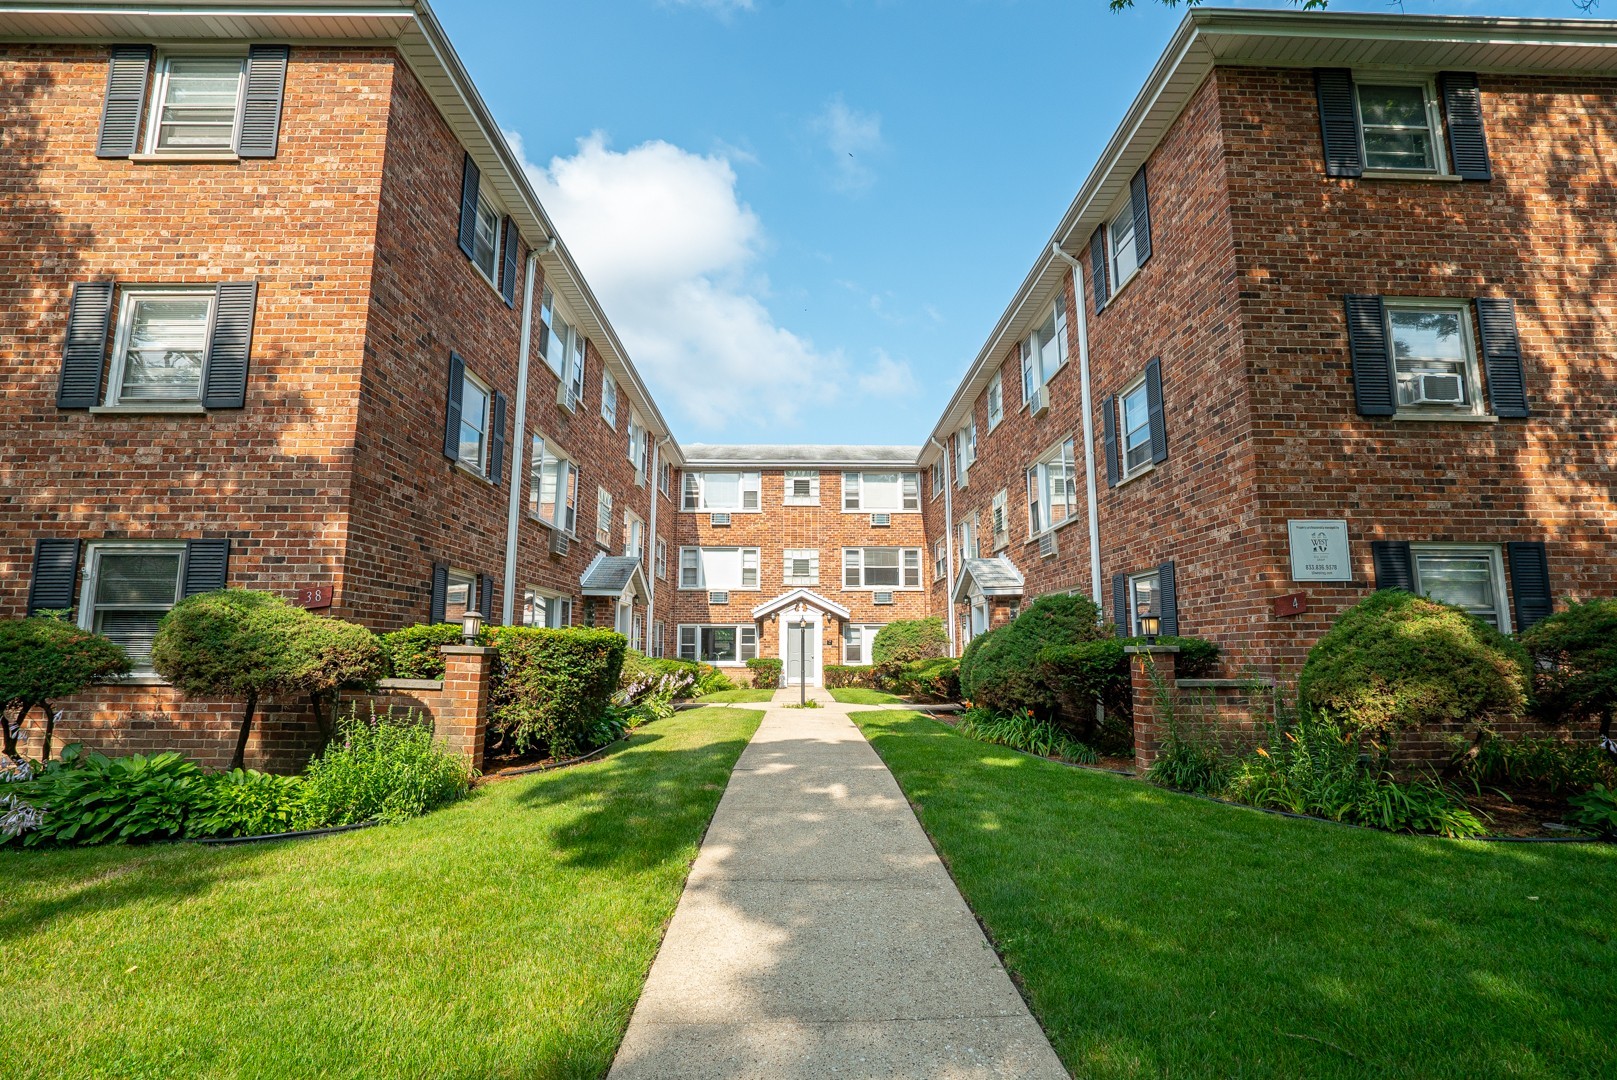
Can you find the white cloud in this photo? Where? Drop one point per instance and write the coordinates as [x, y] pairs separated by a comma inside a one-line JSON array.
[[669, 248], [853, 137], [887, 378]]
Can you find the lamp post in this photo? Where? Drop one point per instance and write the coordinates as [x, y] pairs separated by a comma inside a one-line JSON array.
[[802, 653], [1149, 625], [471, 624]]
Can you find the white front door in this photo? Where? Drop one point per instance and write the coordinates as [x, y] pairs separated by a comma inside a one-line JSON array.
[[800, 645]]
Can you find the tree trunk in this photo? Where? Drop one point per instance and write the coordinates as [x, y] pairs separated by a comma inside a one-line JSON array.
[[246, 729], [10, 732], [50, 727], [325, 723]]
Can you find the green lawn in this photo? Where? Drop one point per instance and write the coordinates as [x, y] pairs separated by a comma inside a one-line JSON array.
[[1156, 934], [744, 695], [858, 695], [506, 936]]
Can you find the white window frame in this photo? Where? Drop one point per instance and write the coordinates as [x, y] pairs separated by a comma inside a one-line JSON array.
[[458, 578], [603, 517], [940, 559], [609, 400], [1434, 122], [480, 466], [1120, 239], [855, 561], [750, 566], [1044, 351], [661, 565], [794, 555], [745, 649], [969, 536], [95, 549], [793, 476], [658, 639], [1496, 571], [860, 636], [1474, 404], [996, 400], [126, 325], [563, 509], [937, 478], [965, 451], [1040, 516], [855, 485], [1135, 581], [634, 535], [547, 608], [999, 519], [695, 485], [159, 93], [665, 477], [490, 273], [564, 335], [1125, 470]]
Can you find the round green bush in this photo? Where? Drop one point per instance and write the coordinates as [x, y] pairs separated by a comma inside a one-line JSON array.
[[909, 640], [1396, 661], [45, 659], [1576, 670], [1000, 670]]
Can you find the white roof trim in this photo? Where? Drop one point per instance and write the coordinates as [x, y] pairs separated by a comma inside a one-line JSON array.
[[786, 599]]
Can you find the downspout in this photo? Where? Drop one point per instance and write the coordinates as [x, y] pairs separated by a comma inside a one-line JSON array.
[[1088, 422], [513, 513], [651, 541], [948, 546]]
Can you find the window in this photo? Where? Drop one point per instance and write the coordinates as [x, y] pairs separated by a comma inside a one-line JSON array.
[[1002, 528], [474, 403], [707, 491], [1145, 598], [1135, 424], [1398, 124], [461, 595], [128, 588], [940, 560], [996, 401], [665, 478], [968, 537], [718, 569], [1433, 357], [937, 479], [1052, 489], [553, 487], [718, 644], [603, 517], [162, 342], [657, 639], [889, 492], [197, 99], [856, 642], [609, 400], [638, 448], [486, 239], [1469, 576], [881, 568], [1044, 351], [662, 559], [564, 351], [637, 632], [802, 487], [634, 535], [1125, 258], [542, 608], [965, 450], [802, 566]]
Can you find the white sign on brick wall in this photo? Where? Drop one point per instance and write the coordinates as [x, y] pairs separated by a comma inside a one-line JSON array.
[[1319, 551]]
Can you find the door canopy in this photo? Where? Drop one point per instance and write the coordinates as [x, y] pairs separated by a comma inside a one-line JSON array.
[[788, 600]]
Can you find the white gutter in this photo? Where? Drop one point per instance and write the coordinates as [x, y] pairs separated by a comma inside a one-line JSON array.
[[513, 513], [1088, 422], [948, 544], [651, 540]]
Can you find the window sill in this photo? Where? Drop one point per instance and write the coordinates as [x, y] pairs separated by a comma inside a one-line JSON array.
[[721, 511], [1034, 538], [470, 471], [148, 410], [1398, 174], [149, 678], [1142, 471], [1117, 290], [845, 510], [1446, 418], [220, 158]]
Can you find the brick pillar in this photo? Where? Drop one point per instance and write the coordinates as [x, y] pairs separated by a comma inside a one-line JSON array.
[[467, 675], [1144, 690]]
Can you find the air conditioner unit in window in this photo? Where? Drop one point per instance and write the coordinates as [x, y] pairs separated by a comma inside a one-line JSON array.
[[718, 598], [558, 542], [881, 520], [718, 519], [1039, 404], [1439, 388], [882, 598], [1047, 545]]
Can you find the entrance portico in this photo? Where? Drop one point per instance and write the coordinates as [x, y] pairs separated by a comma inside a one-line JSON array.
[[801, 615]]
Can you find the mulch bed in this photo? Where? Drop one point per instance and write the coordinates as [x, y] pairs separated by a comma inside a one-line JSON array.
[[1521, 812]]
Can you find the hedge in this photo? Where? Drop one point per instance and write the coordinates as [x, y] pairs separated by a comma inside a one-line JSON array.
[[1575, 654], [838, 676], [909, 640], [413, 652], [552, 686], [1000, 669], [937, 679], [766, 671]]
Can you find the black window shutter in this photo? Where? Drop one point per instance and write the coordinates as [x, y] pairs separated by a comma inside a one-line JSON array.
[[508, 279], [1502, 356], [1140, 204], [439, 591], [128, 73], [1114, 471], [1120, 604], [84, 349], [1462, 110], [496, 440], [1153, 406], [1338, 121], [1373, 389], [1168, 600], [229, 344], [485, 595], [1529, 581], [1395, 566], [469, 179], [260, 133], [457, 385], [1097, 266], [207, 563], [56, 573]]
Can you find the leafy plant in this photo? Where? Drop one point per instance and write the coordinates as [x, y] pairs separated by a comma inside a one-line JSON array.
[[1575, 677], [1597, 809], [1023, 731], [42, 660], [94, 799], [16, 815], [385, 767], [243, 802], [839, 676], [551, 686], [766, 671], [1536, 761], [807, 703], [641, 673], [909, 640], [413, 652], [712, 681], [937, 679]]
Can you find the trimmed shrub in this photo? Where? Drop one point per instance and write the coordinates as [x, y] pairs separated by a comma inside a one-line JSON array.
[[909, 640], [1000, 670], [384, 768], [1081, 675], [412, 653], [1575, 677], [1197, 657], [1396, 661], [243, 802], [93, 799], [551, 687], [42, 660], [328, 656], [937, 679], [766, 671], [838, 676]]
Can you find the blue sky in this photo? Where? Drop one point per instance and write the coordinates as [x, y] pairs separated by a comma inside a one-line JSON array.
[[802, 217]]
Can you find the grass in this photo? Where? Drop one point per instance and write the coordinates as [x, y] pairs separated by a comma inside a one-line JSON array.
[[859, 695], [506, 936], [741, 695], [1155, 934]]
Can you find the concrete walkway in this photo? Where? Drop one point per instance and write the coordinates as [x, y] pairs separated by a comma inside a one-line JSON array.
[[820, 936]]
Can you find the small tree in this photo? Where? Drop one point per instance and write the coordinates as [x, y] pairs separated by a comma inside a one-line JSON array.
[[42, 660], [1575, 677], [909, 640], [231, 643], [329, 656]]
